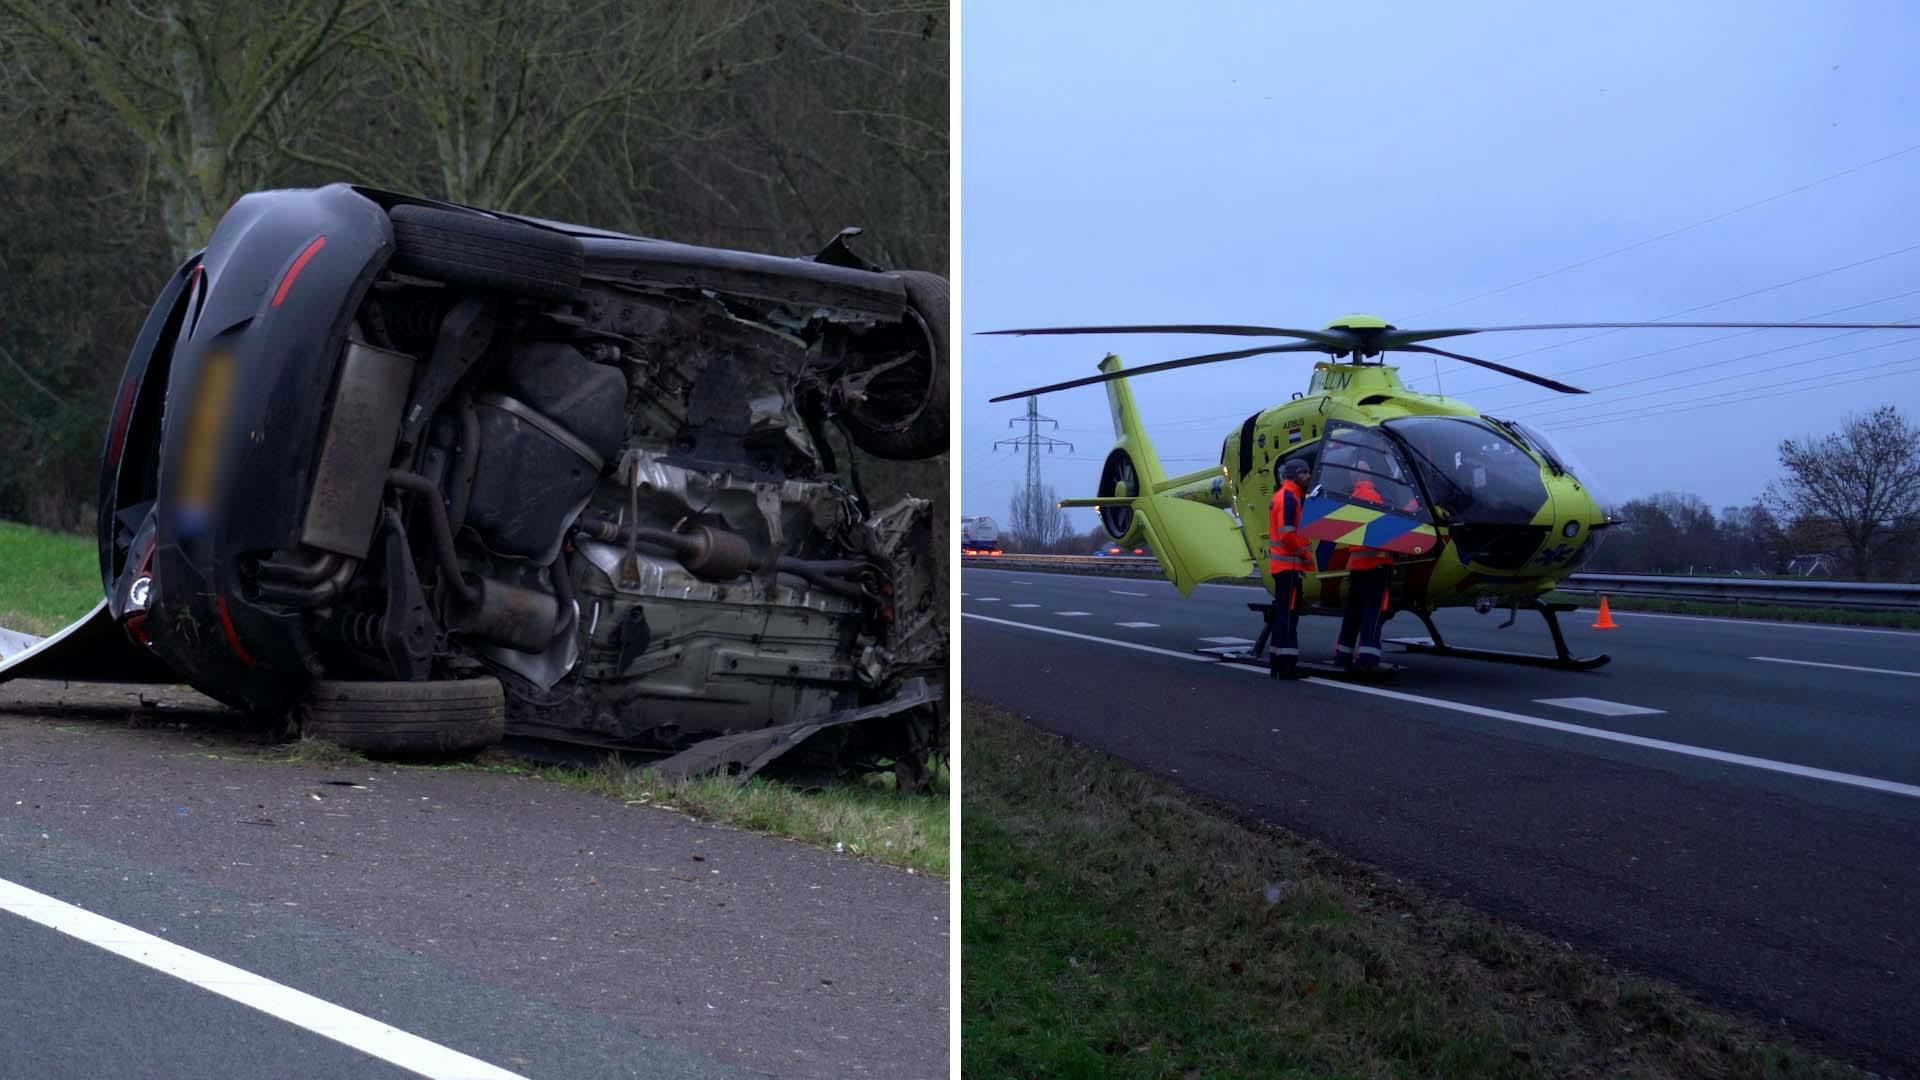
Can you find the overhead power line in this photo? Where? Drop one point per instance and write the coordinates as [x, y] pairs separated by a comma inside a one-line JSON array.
[[1671, 232], [1743, 397]]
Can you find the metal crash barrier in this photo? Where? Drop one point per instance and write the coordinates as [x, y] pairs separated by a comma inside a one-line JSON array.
[[1854, 595]]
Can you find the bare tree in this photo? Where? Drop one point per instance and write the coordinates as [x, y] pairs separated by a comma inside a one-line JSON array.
[[494, 101], [1038, 525], [196, 82], [1855, 486]]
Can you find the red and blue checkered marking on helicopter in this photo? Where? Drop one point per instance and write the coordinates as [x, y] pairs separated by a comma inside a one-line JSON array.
[[1358, 525]]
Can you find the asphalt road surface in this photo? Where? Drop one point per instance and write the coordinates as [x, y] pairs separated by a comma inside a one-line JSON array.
[[460, 921], [1731, 805]]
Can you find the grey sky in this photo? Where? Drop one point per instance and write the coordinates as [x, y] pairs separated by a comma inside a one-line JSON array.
[[1283, 164]]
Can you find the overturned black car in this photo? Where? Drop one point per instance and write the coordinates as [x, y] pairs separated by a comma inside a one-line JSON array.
[[418, 473]]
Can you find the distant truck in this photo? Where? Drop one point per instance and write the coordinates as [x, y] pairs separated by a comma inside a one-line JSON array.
[[979, 536]]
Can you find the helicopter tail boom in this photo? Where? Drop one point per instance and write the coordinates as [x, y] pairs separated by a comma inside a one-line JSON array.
[[1179, 517]]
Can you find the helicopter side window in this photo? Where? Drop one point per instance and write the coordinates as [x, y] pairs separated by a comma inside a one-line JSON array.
[[1473, 471], [1309, 455]]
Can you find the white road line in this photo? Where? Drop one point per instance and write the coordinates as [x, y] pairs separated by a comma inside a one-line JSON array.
[[1136, 625], [362, 1033], [1765, 623], [988, 599], [1073, 614], [1760, 623], [1840, 667], [1023, 605], [1137, 647], [1017, 581], [1598, 706], [1228, 640], [1891, 787], [1123, 592]]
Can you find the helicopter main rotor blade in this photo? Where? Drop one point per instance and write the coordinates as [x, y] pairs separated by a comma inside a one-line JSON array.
[[1502, 368], [1331, 338], [1421, 335], [1165, 365]]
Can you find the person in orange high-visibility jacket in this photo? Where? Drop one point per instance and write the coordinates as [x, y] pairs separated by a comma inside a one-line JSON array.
[[1288, 557], [1368, 572]]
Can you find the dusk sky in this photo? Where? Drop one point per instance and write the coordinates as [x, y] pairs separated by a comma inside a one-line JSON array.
[[1435, 165]]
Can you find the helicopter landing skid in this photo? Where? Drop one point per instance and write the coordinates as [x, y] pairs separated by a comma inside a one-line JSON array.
[[1435, 645]]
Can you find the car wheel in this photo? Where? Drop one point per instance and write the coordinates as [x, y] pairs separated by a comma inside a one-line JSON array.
[[440, 718], [905, 415], [471, 249]]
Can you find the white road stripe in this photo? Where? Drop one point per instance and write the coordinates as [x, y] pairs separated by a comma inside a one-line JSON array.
[[1891, 787], [988, 599], [1023, 605], [1137, 625], [362, 1033], [1123, 592], [1598, 706], [1228, 640], [1017, 581], [1073, 614], [1767, 623], [1840, 667], [1760, 623]]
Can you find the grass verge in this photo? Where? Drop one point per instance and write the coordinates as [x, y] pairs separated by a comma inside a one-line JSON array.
[[1113, 925], [865, 816], [47, 579]]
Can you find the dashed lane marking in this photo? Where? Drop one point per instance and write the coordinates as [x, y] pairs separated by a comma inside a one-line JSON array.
[[1837, 667], [1017, 581], [344, 1026], [1123, 592], [988, 599], [1891, 787], [1137, 625], [1598, 706], [1757, 623], [1073, 614], [1023, 605], [1227, 640]]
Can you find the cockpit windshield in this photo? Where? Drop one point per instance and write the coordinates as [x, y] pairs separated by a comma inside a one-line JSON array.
[[1473, 472], [1563, 461]]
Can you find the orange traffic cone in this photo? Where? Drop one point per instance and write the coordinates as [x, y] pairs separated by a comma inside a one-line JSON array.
[[1605, 621]]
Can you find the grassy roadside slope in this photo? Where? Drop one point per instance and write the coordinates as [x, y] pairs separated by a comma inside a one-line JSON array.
[[47, 579], [1113, 925]]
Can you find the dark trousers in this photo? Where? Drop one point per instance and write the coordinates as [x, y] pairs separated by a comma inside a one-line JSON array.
[[1359, 639], [1283, 627]]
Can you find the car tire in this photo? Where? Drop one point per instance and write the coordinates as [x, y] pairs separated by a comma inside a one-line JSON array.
[[920, 432], [463, 248], [438, 718]]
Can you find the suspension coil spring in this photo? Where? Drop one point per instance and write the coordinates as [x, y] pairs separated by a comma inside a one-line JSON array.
[[361, 629]]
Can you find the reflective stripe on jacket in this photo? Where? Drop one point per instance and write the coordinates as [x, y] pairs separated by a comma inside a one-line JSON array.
[[1286, 548]]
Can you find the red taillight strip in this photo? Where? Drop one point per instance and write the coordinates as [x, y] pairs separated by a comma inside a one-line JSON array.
[[299, 264], [226, 624]]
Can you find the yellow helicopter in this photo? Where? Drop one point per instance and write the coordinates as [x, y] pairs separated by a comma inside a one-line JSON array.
[[1479, 511]]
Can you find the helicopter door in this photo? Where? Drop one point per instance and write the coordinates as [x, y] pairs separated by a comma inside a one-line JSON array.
[[1362, 494]]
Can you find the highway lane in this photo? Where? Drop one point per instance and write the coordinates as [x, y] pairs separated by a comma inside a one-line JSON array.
[[1788, 896], [546, 930]]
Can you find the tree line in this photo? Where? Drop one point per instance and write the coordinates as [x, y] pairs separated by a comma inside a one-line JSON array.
[[130, 125], [1846, 504]]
